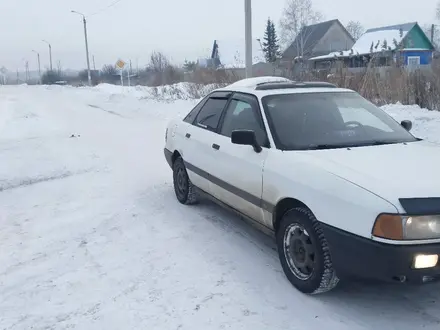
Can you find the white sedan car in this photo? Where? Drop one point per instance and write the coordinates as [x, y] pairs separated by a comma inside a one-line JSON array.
[[346, 190]]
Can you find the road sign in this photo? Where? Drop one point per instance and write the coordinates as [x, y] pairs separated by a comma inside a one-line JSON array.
[[120, 64]]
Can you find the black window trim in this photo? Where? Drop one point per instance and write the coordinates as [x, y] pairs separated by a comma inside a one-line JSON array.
[[202, 102], [222, 95], [199, 105], [249, 98]]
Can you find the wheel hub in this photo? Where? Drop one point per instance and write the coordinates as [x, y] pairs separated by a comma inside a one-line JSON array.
[[181, 181], [299, 251]]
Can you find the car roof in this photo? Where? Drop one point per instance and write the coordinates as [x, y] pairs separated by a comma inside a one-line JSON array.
[[262, 86]]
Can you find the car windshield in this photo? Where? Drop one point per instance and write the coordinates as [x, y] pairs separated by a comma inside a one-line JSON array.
[[327, 120]]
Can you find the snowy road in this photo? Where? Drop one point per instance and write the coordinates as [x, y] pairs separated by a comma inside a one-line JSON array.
[[92, 236]]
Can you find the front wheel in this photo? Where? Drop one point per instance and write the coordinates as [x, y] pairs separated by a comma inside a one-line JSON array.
[[183, 188], [304, 252]]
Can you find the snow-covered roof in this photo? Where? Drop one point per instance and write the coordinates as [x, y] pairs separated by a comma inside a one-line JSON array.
[[375, 36], [253, 82], [232, 53]]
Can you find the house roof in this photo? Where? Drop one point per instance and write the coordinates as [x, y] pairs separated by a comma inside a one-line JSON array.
[[376, 37], [231, 53], [309, 36]]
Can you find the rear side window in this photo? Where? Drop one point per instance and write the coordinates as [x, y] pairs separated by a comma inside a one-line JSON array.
[[210, 114]]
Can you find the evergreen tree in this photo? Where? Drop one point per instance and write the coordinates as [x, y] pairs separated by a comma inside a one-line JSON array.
[[276, 43], [266, 43], [271, 46]]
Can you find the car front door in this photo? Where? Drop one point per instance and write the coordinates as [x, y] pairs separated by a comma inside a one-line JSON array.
[[198, 136], [237, 177]]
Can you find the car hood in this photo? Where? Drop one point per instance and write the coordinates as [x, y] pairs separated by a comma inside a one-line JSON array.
[[391, 171]]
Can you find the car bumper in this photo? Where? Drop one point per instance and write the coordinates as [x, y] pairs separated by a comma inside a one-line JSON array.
[[168, 156], [357, 257]]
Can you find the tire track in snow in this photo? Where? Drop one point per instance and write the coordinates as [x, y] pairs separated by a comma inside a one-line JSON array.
[[32, 181], [108, 111]]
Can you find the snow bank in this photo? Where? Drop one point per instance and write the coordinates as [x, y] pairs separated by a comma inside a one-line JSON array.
[[167, 93], [426, 123]]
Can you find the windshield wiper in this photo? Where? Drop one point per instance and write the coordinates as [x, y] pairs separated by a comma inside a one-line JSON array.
[[346, 145], [325, 146], [375, 143]]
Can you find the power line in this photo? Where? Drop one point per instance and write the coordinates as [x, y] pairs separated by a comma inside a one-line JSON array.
[[114, 3]]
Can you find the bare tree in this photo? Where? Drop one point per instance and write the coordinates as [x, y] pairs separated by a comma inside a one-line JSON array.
[[428, 31], [109, 74], [355, 28], [296, 15], [163, 71], [158, 62], [437, 11]]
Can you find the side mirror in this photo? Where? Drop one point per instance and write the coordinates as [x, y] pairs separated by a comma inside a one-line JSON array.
[[246, 137], [406, 124]]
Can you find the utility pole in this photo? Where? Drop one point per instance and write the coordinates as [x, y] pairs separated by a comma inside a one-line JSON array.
[[432, 33], [129, 74], [39, 64], [50, 54], [87, 46], [26, 66], [94, 64], [26, 70], [248, 36]]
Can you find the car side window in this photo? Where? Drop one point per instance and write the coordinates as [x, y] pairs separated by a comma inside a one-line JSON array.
[[189, 118], [242, 115], [210, 114]]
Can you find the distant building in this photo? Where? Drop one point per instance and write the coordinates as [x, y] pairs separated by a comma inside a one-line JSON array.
[[405, 44], [318, 39]]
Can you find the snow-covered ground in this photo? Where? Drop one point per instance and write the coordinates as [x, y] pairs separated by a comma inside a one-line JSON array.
[[92, 236]]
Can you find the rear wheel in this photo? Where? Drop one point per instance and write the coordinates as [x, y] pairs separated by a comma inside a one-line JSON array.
[[183, 188], [304, 252]]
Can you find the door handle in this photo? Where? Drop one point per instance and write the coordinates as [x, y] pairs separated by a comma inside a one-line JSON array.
[[215, 146], [187, 135]]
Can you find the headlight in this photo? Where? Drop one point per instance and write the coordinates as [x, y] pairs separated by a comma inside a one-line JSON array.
[[422, 227], [398, 227]]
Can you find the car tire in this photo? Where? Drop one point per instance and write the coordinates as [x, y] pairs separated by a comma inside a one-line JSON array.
[[304, 252], [183, 188]]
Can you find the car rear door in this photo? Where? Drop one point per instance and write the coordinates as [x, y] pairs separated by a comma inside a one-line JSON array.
[[237, 177], [198, 136]]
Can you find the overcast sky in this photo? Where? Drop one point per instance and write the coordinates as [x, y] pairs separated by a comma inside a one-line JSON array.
[[180, 28]]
